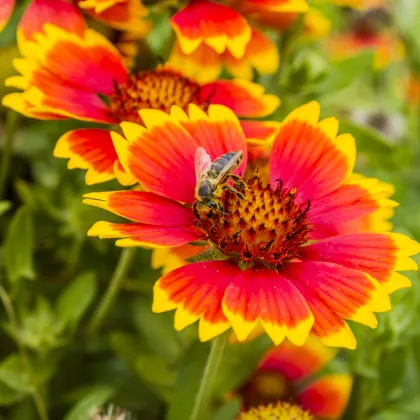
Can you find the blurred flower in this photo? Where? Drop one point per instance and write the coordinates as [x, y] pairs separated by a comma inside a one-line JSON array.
[[212, 36], [205, 64], [6, 10], [316, 284], [286, 374], [369, 30], [120, 14], [387, 46], [279, 411], [80, 74]]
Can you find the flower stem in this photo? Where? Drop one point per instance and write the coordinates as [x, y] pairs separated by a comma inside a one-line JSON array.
[[202, 399], [8, 306], [7, 149], [111, 293]]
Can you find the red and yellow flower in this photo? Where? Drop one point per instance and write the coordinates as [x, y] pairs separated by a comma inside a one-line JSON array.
[[125, 15], [278, 411], [79, 74], [289, 374], [6, 10], [279, 268], [212, 36]]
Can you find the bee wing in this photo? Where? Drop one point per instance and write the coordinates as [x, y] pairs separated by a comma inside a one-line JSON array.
[[202, 163]]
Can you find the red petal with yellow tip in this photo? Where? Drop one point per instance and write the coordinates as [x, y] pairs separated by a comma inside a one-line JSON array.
[[260, 133], [305, 157], [218, 26], [327, 397], [377, 254], [297, 363], [348, 202], [245, 99], [123, 14], [143, 207], [219, 133], [91, 149], [196, 290], [6, 10], [56, 12], [346, 293], [299, 6], [260, 53], [260, 294], [138, 234], [91, 63]]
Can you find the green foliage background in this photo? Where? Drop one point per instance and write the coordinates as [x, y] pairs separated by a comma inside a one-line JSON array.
[[52, 275]]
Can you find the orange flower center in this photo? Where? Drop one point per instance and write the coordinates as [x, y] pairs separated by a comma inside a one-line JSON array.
[[265, 225], [278, 411], [266, 387], [156, 89]]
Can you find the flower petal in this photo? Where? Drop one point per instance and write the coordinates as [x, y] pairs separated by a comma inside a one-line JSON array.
[[90, 62], [196, 290], [262, 294], [142, 207], [305, 157], [245, 99], [218, 26], [298, 6], [60, 13], [123, 14], [6, 10], [137, 234], [91, 149], [296, 363], [344, 292], [203, 64], [377, 254], [260, 133], [260, 53], [326, 397], [171, 258], [218, 133]]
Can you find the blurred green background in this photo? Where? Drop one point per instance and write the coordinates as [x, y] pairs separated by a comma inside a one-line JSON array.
[[52, 275]]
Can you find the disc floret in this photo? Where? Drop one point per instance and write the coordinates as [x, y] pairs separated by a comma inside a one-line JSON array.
[[266, 224]]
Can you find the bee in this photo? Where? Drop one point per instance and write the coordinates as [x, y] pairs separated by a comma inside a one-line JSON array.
[[211, 179]]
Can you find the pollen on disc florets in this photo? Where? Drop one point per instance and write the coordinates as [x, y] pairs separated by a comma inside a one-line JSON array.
[[278, 411], [266, 225], [156, 89]]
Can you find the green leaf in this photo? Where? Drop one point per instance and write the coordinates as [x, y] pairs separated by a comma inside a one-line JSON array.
[[154, 370], [393, 367], [158, 329], [18, 246], [229, 410], [189, 377], [95, 398], [238, 362], [345, 72], [4, 206], [9, 395], [76, 298], [14, 375], [367, 139]]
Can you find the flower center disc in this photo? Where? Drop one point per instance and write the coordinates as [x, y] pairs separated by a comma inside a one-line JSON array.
[[265, 225], [157, 89]]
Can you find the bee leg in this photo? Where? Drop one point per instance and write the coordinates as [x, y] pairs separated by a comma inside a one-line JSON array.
[[195, 205], [239, 183], [233, 191]]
